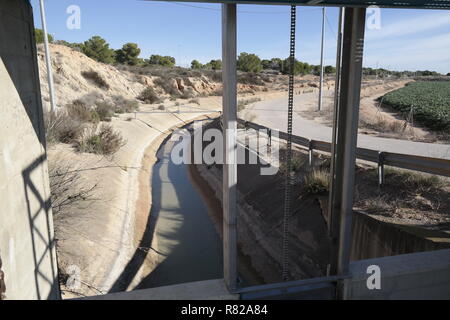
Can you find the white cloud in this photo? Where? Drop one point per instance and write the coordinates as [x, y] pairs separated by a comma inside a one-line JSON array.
[[413, 53], [426, 22]]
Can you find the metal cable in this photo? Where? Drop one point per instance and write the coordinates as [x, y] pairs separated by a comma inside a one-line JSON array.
[[287, 194]]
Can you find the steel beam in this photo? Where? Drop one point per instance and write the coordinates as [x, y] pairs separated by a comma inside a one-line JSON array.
[[347, 135], [229, 79]]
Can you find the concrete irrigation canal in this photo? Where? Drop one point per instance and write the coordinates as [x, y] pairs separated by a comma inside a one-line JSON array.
[[184, 234]]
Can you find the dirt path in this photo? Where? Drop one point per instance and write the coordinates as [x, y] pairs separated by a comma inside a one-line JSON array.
[[272, 113]]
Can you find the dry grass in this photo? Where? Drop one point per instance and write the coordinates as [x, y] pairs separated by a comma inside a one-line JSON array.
[[243, 103], [413, 181], [404, 194], [96, 78], [104, 110], [317, 182], [384, 124], [123, 105], [82, 111], [104, 140], [67, 190], [297, 163], [61, 127]]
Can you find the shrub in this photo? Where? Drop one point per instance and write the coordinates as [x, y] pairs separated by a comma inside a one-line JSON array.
[[66, 188], [81, 111], [215, 76], [196, 101], [161, 107], [296, 165], [149, 96], [104, 110], [96, 78], [187, 94], [125, 105], [317, 182], [61, 127], [104, 140], [250, 78]]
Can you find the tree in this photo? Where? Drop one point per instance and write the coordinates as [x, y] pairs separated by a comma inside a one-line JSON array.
[[273, 64], [166, 61], [329, 69], [299, 67], [73, 45], [128, 54], [196, 65], [98, 49], [39, 35], [214, 64], [265, 64], [249, 62], [448, 74]]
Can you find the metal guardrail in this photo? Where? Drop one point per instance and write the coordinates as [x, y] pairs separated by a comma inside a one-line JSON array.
[[404, 161]]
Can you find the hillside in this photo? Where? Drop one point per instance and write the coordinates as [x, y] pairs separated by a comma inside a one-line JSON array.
[[76, 76]]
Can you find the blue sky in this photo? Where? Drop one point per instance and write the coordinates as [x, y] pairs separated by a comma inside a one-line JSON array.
[[407, 39]]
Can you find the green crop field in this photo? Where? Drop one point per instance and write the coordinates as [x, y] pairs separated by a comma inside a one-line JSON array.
[[429, 100]]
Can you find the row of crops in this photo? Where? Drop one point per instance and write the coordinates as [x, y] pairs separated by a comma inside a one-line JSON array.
[[428, 102]]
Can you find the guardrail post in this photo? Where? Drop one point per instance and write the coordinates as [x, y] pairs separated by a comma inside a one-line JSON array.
[[311, 153], [380, 168]]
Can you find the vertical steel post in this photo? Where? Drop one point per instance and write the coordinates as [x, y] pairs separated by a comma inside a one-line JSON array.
[[51, 88], [335, 115], [321, 60], [311, 154], [229, 78], [347, 135], [380, 168]]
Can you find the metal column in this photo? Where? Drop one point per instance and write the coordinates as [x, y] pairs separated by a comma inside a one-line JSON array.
[[51, 88], [321, 60], [347, 134], [229, 78], [335, 115]]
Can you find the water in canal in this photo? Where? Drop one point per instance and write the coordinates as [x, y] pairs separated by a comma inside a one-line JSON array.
[[189, 246]]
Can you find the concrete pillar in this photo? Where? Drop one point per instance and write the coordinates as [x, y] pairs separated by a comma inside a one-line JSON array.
[[27, 248], [229, 75]]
